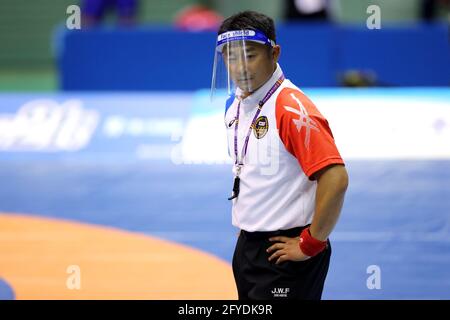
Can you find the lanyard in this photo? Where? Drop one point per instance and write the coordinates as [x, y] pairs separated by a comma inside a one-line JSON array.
[[252, 125]]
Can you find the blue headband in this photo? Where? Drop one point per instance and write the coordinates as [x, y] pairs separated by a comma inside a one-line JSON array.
[[248, 35]]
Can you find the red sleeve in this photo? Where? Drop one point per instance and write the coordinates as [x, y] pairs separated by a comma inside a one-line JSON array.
[[305, 132]]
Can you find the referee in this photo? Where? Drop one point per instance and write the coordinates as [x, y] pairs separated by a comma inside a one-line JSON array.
[[287, 210]]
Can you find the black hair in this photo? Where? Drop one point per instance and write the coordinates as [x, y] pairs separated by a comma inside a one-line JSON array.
[[250, 20]]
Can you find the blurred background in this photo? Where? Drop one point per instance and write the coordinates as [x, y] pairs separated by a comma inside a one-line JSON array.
[[114, 171]]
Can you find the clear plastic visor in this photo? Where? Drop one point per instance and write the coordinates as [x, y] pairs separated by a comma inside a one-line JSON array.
[[231, 69]]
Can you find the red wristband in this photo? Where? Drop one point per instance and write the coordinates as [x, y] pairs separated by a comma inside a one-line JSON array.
[[309, 245]]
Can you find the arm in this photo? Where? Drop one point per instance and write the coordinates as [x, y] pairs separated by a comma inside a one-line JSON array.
[[332, 183]]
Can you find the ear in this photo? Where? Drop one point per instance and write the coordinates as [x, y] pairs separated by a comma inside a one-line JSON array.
[[276, 50]]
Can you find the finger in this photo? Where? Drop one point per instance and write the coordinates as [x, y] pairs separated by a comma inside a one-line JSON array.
[[276, 255], [282, 259], [279, 238], [276, 246]]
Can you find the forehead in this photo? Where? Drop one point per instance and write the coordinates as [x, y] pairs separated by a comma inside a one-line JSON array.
[[239, 46]]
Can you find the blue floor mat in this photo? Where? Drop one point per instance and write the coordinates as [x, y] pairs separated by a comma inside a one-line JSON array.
[[396, 215]]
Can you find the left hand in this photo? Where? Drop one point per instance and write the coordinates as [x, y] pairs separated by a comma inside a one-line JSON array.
[[286, 249]]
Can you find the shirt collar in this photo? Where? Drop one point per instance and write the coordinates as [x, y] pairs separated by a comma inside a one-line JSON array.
[[253, 99]]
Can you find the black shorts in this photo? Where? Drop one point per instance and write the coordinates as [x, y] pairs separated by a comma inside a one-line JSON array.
[[258, 278]]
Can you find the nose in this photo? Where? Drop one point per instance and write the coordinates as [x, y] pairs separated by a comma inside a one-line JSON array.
[[242, 70], [238, 66]]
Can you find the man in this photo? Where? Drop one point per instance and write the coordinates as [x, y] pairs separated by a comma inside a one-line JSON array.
[[285, 212]]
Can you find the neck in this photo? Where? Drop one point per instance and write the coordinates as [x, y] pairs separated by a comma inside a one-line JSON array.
[[245, 94]]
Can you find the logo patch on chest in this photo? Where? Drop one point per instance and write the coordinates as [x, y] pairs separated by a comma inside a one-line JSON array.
[[261, 127]]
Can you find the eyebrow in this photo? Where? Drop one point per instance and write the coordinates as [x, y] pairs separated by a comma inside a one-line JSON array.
[[247, 50]]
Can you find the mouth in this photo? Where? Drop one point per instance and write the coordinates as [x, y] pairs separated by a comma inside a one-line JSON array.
[[245, 79]]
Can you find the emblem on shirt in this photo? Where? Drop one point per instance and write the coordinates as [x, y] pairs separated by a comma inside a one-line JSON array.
[[261, 127]]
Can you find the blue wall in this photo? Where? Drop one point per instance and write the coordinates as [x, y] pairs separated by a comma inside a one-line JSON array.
[[312, 55]]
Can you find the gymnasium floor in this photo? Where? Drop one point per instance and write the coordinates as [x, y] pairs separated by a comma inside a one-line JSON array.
[[150, 229]]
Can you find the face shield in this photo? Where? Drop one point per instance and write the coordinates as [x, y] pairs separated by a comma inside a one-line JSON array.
[[233, 67]]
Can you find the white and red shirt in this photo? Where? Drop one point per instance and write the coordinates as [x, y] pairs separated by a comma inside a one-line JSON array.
[[291, 141]]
